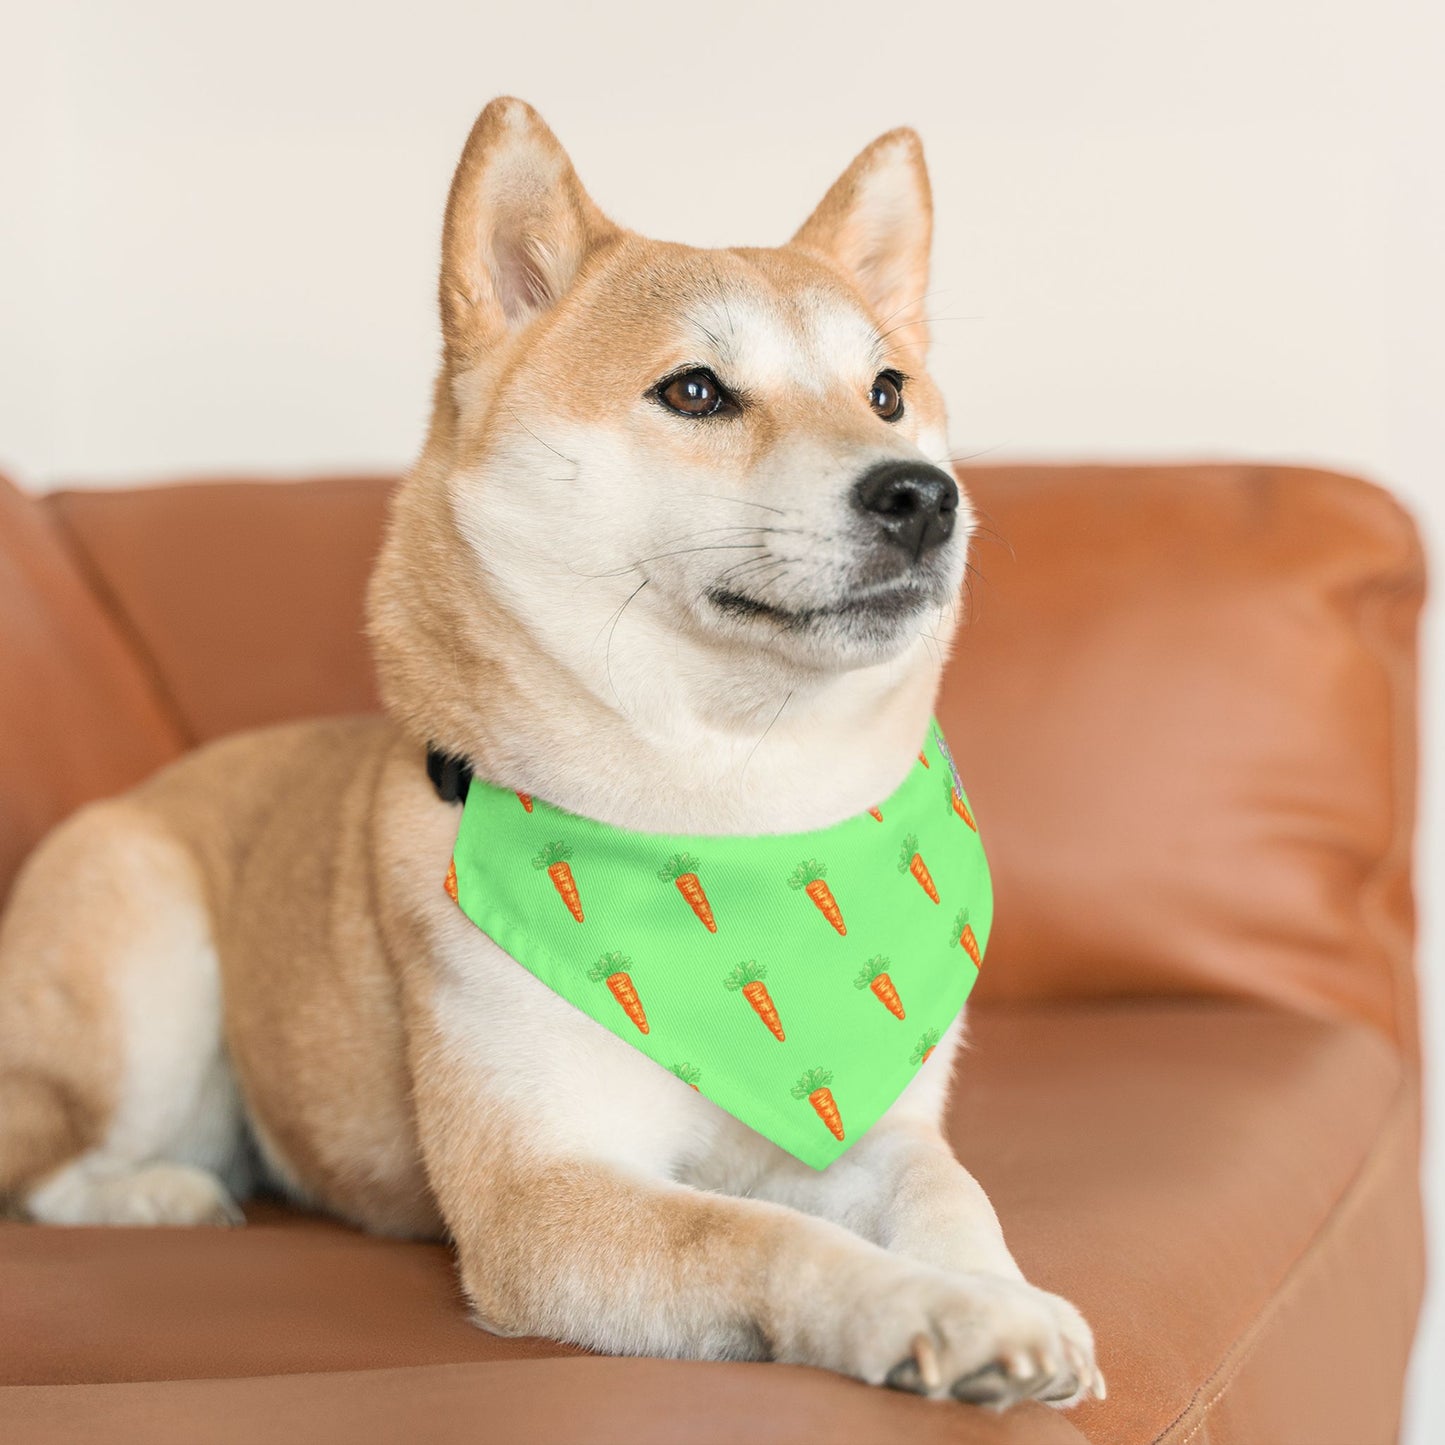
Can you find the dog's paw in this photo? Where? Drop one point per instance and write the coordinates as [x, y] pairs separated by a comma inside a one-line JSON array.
[[984, 1339], [152, 1194]]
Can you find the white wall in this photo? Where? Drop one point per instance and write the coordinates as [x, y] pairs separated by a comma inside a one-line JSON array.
[[1164, 228]]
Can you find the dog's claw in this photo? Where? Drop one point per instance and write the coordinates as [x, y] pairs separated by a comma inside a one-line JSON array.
[[1020, 1365], [1028, 1346], [1100, 1390], [1068, 1386], [905, 1376], [988, 1386], [926, 1354]]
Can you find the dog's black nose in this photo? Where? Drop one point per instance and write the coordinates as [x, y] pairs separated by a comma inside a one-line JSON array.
[[915, 504]]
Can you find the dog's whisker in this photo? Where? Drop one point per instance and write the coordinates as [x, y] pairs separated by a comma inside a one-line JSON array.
[[967, 456], [616, 619], [899, 310], [571, 461], [929, 320], [689, 551], [990, 529], [659, 556], [732, 575], [742, 502], [749, 528], [765, 732], [765, 578], [915, 321], [805, 581], [736, 569], [761, 579], [611, 616], [916, 301]]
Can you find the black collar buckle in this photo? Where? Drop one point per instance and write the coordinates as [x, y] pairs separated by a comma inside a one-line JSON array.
[[450, 775]]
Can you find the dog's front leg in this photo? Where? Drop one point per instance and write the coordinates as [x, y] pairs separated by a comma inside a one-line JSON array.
[[901, 1188], [556, 1239]]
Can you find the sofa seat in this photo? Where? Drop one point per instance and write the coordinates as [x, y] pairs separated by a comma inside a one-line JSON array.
[[1194, 1175]]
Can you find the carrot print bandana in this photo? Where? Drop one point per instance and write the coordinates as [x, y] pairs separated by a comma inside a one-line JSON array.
[[798, 980]]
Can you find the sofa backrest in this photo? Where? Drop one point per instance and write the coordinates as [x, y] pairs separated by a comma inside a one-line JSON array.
[[246, 596], [1183, 705], [79, 717], [1186, 699]]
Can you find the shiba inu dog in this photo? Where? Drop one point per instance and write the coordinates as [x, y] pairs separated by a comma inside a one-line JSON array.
[[677, 556]]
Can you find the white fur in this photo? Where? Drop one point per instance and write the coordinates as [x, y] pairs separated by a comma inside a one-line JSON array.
[[177, 1128]]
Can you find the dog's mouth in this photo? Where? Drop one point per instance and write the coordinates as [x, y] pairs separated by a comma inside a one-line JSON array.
[[887, 604]]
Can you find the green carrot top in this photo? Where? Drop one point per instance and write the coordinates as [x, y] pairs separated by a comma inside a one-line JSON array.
[[959, 924], [607, 965], [688, 1073], [926, 1045], [749, 971], [876, 966], [808, 871], [676, 866], [905, 856], [811, 1082], [551, 854]]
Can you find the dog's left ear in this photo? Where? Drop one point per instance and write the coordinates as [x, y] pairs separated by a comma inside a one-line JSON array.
[[877, 223]]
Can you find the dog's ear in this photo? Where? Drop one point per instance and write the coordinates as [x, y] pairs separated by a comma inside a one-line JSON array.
[[877, 223], [518, 228]]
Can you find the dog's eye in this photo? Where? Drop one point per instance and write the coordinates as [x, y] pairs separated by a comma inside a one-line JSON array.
[[694, 393], [886, 397]]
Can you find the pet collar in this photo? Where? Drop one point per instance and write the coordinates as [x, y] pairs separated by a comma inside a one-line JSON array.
[[798, 980]]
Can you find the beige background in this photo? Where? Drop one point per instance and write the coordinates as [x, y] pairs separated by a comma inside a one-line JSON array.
[[1164, 229]]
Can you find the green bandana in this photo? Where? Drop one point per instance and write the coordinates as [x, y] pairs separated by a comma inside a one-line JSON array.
[[798, 980]]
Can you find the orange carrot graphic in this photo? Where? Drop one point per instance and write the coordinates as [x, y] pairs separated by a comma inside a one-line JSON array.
[[748, 977], [923, 759], [813, 1087], [926, 1046], [876, 813], [688, 1074], [811, 877], [612, 968], [681, 869], [910, 861], [875, 976], [526, 800], [451, 881], [963, 934], [554, 859], [955, 801]]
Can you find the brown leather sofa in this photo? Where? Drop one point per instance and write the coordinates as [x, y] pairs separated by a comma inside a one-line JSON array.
[[1187, 701]]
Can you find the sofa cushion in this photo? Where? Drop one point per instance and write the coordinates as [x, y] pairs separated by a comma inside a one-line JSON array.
[[1185, 707], [247, 595], [1184, 1173], [531, 1402], [79, 715]]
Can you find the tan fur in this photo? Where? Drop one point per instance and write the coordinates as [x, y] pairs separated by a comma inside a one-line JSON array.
[[256, 942]]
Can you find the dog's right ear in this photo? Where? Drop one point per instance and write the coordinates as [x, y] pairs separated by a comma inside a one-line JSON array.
[[518, 228]]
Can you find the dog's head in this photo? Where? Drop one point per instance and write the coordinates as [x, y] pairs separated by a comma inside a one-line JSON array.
[[737, 454]]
